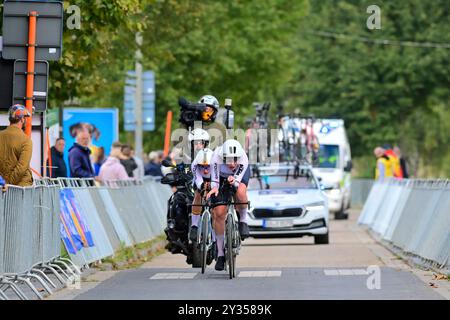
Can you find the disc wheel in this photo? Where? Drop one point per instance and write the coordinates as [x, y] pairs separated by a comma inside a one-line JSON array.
[[204, 242], [229, 248]]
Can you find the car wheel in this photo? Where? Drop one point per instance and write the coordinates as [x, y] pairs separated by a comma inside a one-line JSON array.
[[341, 215], [321, 239]]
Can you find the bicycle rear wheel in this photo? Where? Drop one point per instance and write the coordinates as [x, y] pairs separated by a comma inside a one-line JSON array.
[[205, 240], [229, 246]]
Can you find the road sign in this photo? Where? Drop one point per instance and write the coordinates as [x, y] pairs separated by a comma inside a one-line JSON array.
[[48, 33], [40, 84], [148, 98], [6, 80]]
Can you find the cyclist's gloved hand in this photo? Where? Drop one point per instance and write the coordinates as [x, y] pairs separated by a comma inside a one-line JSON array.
[[214, 191], [231, 180]]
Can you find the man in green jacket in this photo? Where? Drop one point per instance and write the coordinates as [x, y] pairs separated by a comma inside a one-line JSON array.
[[16, 149]]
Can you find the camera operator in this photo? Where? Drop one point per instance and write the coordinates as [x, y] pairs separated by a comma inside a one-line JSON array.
[[207, 111]]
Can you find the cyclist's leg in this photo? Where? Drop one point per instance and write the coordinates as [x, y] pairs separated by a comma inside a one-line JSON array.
[[195, 216], [196, 209], [241, 196], [220, 214]]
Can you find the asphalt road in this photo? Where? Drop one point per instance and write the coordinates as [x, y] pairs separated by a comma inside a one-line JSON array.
[[352, 266]]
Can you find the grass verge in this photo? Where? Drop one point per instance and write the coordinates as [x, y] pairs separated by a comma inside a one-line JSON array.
[[135, 256]]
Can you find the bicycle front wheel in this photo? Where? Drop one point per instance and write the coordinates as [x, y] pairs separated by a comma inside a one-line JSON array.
[[205, 241], [229, 246]]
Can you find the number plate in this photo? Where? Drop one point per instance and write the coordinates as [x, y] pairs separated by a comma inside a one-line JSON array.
[[278, 223]]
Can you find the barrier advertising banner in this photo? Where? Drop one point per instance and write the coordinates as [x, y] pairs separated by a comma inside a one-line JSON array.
[[74, 230]]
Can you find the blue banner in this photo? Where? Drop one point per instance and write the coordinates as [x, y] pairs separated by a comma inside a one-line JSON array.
[[74, 230]]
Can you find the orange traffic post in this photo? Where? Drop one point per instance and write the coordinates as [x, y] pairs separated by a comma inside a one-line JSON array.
[[30, 68], [49, 156], [168, 129]]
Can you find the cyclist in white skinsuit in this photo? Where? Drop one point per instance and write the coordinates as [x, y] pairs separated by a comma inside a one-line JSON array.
[[229, 165], [202, 176]]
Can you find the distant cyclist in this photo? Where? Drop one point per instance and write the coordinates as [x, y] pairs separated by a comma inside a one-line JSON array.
[[230, 167], [199, 139], [202, 178]]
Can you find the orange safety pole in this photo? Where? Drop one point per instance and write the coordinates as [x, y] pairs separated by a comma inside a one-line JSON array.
[[49, 155], [168, 129], [30, 68], [36, 173]]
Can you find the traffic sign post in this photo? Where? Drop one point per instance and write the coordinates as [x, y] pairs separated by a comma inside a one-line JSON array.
[[6, 80], [32, 31], [49, 27], [40, 84], [148, 98]]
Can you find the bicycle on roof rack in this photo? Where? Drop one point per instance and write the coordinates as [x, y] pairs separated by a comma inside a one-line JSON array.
[[297, 140]]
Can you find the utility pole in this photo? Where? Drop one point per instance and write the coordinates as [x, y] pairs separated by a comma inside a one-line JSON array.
[[138, 137]]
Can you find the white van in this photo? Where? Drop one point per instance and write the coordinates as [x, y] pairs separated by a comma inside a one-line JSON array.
[[334, 164]]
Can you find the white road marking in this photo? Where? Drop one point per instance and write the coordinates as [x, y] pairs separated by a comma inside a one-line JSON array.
[[259, 274], [174, 275], [360, 272], [345, 272], [331, 272]]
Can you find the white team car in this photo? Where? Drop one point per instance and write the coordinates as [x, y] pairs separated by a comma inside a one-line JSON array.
[[286, 200]]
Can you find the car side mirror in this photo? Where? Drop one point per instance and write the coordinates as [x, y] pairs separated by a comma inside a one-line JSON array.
[[348, 166]]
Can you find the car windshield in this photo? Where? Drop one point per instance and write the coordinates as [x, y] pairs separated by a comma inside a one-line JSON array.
[[283, 181], [328, 156]]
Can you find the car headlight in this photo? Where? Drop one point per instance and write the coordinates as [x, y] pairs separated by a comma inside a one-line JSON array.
[[335, 192], [316, 206]]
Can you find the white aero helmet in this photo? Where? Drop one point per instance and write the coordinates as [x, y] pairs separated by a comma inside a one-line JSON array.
[[204, 156], [198, 134], [232, 149], [210, 100]]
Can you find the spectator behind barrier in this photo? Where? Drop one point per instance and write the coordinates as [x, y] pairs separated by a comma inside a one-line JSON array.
[[79, 157], [403, 166], [3, 185], [127, 161], [139, 172], [153, 168], [99, 159], [395, 162], [16, 149], [384, 165], [59, 168], [113, 169]]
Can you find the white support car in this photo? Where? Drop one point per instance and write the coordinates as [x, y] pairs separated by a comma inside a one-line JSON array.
[[286, 200]]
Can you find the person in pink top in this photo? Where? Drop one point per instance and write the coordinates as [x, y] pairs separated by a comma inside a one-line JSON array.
[[112, 169]]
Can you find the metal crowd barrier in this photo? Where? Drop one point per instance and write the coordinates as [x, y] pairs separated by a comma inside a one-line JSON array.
[[413, 217], [30, 241], [360, 191], [116, 214]]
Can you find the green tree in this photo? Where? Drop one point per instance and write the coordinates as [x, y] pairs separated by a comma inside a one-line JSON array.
[[379, 90]]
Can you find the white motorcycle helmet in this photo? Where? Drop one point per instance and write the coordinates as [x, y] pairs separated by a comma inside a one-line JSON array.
[[232, 149], [204, 156], [212, 102]]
